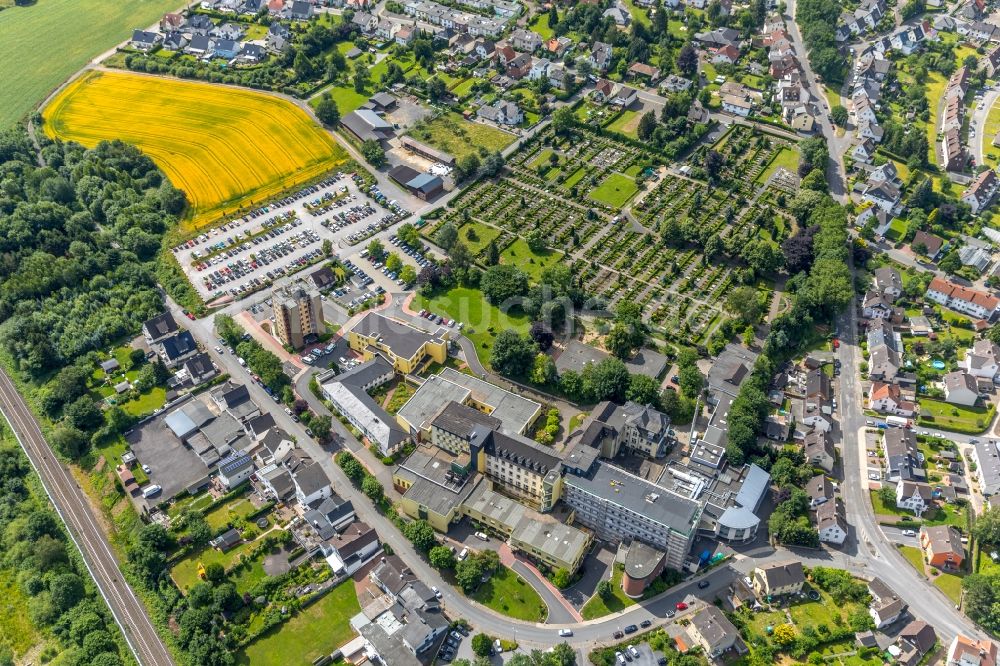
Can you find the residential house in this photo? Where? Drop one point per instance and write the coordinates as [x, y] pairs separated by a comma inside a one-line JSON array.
[[502, 112], [539, 69], [883, 194], [886, 607], [886, 398], [953, 157], [675, 84], [351, 549], [159, 328], [962, 299], [560, 78], [713, 631], [991, 62], [980, 192], [144, 41], [279, 37], [178, 348], [171, 21], [864, 151], [234, 469], [831, 523], [982, 360], [873, 131], [724, 55], [883, 363], [620, 14], [174, 41], [600, 56], [738, 106], [914, 641], [719, 37], [199, 24], [928, 244], [405, 35], [899, 446], [942, 547], [913, 496], [603, 91], [876, 305], [227, 49], [525, 40], [640, 70], [251, 53], [231, 31], [273, 448], [960, 388], [199, 369], [965, 651], [311, 484], [625, 96], [519, 67], [819, 489], [779, 578], [819, 450], [887, 281]]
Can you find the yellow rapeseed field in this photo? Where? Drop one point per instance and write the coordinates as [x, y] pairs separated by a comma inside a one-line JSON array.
[[227, 148]]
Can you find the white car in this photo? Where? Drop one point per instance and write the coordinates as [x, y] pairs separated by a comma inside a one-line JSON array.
[[482, 536], [874, 476], [437, 592], [146, 469], [909, 533], [565, 632]]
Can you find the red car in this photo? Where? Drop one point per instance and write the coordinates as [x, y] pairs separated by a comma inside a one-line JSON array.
[[681, 605]]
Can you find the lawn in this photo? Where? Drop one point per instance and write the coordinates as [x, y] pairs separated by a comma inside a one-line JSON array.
[[402, 393], [914, 556], [238, 507], [509, 594], [476, 236], [532, 263], [45, 43], [951, 585], [957, 418], [832, 95], [460, 137], [482, 320], [185, 571], [540, 24], [597, 607], [787, 158], [543, 158], [615, 191], [574, 178], [881, 508], [638, 14], [990, 129], [626, 124], [345, 96], [313, 632], [198, 502], [226, 148], [17, 631], [935, 85]]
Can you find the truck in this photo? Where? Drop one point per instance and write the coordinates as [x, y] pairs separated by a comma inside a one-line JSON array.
[[898, 422]]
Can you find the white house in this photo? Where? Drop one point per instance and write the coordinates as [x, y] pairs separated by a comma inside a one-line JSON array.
[[738, 106], [981, 359], [234, 469], [968, 301], [830, 523], [886, 606], [311, 484], [960, 388], [980, 192], [913, 496]]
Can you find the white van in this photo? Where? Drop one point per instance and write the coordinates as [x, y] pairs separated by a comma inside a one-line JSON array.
[[150, 491]]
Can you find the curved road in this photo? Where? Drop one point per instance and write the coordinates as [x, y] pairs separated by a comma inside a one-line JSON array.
[[74, 508]]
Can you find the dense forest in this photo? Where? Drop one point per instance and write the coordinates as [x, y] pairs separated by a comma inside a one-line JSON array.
[[42, 570]]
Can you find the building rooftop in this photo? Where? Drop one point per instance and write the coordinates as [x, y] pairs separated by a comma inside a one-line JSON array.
[[461, 420], [666, 507], [641, 559], [404, 340]]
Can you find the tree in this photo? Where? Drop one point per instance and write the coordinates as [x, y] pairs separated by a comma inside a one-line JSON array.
[[441, 557], [542, 335], [713, 163], [986, 530], [393, 263], [643, 389], [303, 66], [607, 380], [604, 590], [353, 469], [361, 78], [513, 354], [373, 153], [446, 235], [690, 380], [375, 249], [69, 441], [784, 634], [745, 304], [421, 534], [562, 578], [373, 489], [214, 572], [687, 61], [482, 645], [83, 414], [503, 282], [408, 275], [468, 573], [646, 126], [839, 115], [535, 240], [467, 166], [619, 342], [563, 120], [543, 369], [327, 111], [65, 590]]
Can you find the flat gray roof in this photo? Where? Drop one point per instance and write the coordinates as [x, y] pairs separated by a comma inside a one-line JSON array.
[[403, 339], [427, 401], [576, 356], [642, 497], [641, 559], [515, 412], [561, 541]]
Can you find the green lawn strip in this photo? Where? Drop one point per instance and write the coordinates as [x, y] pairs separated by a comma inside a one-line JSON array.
[[402, 393], [482, 320], [958, 418], [543, 158], [881, 508], [509, 594], [540, 24], [951, 585], [239, 507], [597, 607], [935, 85], [638, 13], [574, 178], [476, 236], [532, 263], [914, 556], [247, 578], [346, 98], [453, 134], [615, 191], [313, 632], [152, 399]]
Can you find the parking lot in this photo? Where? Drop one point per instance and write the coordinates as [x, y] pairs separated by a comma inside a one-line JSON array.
[[249, 253]]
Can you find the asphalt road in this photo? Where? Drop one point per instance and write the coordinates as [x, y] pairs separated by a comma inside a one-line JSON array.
[[74, 508]]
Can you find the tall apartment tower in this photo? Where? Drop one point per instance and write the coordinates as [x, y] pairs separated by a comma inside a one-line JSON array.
[[298, 313]]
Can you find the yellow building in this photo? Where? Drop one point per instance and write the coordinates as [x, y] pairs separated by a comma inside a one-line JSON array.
[[434, 484], [406, 347], [520, 468]]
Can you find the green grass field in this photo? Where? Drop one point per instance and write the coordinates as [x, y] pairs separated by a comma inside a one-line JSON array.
[[955, 417], [482, 320], [913, 556], [481, 235], [615, 191], [452, 133], [936, 83], [239, 507], [346, 98], [185, 572], [316, 631], [507, 593], [532, 263], [626, 124], [990, 129], [787, 158], [17, 631], [951, 585], [598, 607], [540, 24], [44, 44]]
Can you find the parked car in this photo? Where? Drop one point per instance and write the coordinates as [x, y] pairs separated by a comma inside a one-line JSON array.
[[631, 629], [645, 623], [703, 584], [565, 632], [680, 605], [482, 536]]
